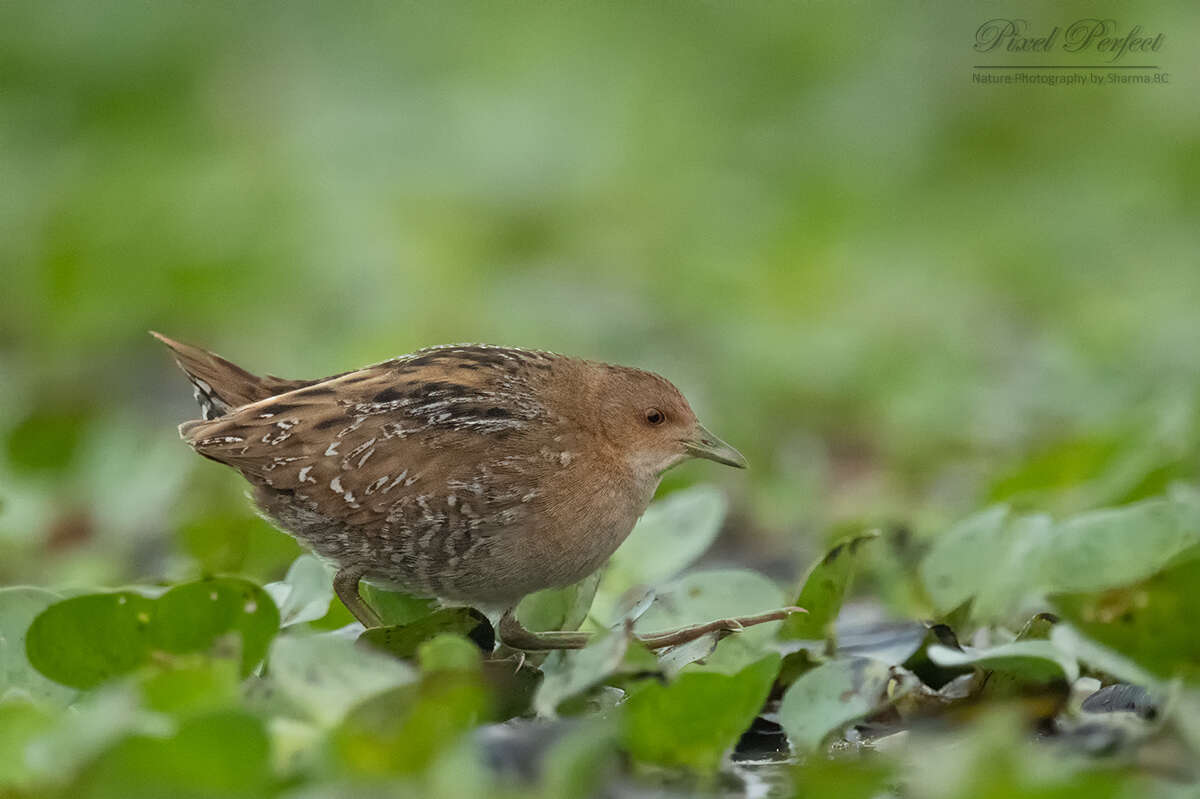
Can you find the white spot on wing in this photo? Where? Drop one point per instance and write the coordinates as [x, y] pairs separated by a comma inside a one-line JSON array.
[[336, 485], [399, 479]]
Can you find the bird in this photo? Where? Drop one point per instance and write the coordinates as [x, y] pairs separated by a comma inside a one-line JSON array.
[[470, 473]]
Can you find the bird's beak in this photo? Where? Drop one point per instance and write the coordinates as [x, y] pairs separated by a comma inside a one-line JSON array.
[[706, 445]]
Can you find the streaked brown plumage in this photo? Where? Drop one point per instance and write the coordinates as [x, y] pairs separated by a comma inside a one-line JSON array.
[[466, 472]]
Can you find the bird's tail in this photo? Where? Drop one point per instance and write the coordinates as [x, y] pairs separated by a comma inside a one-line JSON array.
[[221, 386]]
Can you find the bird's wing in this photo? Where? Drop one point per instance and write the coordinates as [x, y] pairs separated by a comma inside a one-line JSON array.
[[454, 425]]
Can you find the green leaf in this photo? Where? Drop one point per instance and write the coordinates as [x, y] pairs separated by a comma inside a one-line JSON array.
[[824, 589], [222, 754], [692, 722], [1018, 567], [1032, 661], [396, 607], [559, 608], [95, 720], [577, 763], [21, 722], [512, 688], [324, 675], [1187, 717], [996, 758], [669, 537], [403, 640], [673, 659], [1111, 548], [191, 617], [567, 673], [202, 687], [305, 593], [962, 558], [704, 596], [1038, 628], [843, 778], [1152, 621], [1099, 658], [402, 730], [457, 770], [88, 639], [1001, 561], [449, 652], [826, 699], [18, 608]]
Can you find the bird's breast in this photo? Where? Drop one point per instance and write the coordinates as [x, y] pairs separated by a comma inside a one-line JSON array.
[[596, 513]]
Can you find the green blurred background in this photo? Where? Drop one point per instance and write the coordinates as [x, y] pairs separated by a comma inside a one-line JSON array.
[[902, 294]]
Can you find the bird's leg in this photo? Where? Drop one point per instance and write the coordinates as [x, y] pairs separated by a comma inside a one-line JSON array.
[[517, 636], [345, 585]]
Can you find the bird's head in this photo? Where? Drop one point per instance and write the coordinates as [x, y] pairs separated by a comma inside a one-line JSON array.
[[651, 424]]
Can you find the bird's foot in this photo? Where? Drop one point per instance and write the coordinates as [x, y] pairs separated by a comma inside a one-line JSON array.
[[516, 635], [723, 627]]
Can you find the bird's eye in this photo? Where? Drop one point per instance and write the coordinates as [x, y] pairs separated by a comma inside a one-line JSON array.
[[655, 416]]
